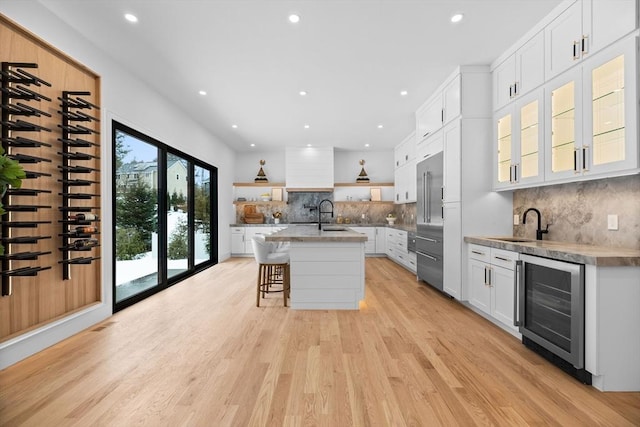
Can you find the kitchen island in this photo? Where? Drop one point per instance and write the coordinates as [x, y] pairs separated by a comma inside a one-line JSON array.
[[327, 266]]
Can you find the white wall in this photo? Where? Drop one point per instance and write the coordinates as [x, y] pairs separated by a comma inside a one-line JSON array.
[[130, 101]]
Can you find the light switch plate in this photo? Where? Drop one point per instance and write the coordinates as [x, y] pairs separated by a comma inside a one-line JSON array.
[[612, 222], [516, 220]]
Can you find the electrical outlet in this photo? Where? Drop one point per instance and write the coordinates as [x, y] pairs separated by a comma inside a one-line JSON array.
[[516, 220], [612, 222]]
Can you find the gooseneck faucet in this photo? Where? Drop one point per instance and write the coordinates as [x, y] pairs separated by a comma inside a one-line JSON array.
[[539, 231], [320, 211]]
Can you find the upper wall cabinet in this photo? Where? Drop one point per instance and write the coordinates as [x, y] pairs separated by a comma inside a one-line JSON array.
[[405, 151], [405, 172], [309, 167], [464, 92], [584, 28], [519, 142], [520, 73], [592, 116]]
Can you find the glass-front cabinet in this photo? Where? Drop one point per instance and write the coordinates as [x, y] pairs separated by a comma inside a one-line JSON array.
[[519, 142], [592, 116], [611, 121]]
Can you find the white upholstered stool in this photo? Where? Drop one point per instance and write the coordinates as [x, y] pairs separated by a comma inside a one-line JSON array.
[[273, 269]]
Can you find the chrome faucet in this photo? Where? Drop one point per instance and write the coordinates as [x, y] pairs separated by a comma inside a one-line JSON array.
[[539, 231], [320, 211]]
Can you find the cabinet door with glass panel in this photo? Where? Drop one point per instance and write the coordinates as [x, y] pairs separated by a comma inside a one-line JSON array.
[[563, 126], [610, 138], [519, 142]]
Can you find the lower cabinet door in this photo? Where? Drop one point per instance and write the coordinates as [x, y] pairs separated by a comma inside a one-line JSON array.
[[502, 284], [479, 289]]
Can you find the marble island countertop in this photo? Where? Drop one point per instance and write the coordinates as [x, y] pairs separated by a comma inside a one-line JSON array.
[[310, 233], [571, 252], [405, 227]]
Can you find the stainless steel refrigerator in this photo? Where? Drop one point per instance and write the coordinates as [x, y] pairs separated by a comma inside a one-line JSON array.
[[430, 218]]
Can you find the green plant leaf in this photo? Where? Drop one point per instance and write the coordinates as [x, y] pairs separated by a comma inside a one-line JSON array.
[[11, 172]]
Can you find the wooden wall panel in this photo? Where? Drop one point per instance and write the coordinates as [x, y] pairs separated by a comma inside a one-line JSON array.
[[40, 299]]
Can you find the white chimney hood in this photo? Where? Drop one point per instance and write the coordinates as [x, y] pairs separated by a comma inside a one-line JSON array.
[[309, 168]]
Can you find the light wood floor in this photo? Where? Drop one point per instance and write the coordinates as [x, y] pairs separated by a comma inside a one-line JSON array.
[[202, 354]]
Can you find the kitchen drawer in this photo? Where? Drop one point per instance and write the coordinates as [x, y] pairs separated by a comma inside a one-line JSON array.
[[505, 259], [237, 230], [481, 253]]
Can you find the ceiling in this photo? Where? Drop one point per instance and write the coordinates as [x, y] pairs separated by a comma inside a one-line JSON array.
[[352, 57]]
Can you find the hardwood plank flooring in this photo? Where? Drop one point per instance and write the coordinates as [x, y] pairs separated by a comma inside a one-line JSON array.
[[201, 354]]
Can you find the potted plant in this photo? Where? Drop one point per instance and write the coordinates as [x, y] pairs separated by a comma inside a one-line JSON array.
[[11, 174], [276, 217], [391, 218]]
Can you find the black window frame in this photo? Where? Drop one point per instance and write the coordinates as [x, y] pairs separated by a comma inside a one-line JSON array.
[[163, 281]]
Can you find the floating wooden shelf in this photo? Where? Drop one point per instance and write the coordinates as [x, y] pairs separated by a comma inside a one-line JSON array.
[[260, 202], [364, 184], [382, 202], [258, 184]]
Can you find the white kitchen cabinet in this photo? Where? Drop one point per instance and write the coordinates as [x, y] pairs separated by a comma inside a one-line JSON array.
[[396, 242], [583, 29], [405, 183], [429, 146], [452, 250], [491, 275], [405, 152], [591, 116], [452, 139], [381, 240], [466, 92], [237, 240], [520, 73], [429, 117], [309, 167], [370, 244], [451, 103], [519, 142]]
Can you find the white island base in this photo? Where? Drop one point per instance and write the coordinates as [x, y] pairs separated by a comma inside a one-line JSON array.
[[327, 275]]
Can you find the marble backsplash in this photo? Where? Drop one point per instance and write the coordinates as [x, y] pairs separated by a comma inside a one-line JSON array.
[[298, 209], [577, 212]]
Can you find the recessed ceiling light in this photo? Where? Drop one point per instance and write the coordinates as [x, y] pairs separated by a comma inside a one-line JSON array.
[[130, 17], [306, 126], [403, 93], [252, 145], [308, 145], [366, 145], [380, 126], [234, 126], [294, 19], [303, 93], [202, 92], [457, 17]]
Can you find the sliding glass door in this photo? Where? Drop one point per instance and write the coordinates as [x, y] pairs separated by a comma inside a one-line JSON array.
[[136, 212], [164, 216]]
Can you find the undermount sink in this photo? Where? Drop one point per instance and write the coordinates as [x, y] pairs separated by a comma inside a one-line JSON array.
[[511, 239], [334, 228]]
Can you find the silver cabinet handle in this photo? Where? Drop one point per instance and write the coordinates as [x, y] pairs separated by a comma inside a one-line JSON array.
[[477, 253], [427, 256], [427, 239], [518, 294], [501, 258]]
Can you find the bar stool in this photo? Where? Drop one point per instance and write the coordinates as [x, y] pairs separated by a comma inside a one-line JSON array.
[[273, 269]]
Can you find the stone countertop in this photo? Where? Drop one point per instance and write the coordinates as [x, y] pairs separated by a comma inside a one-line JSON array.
[[376, 224], [310, 233], [571, 252]]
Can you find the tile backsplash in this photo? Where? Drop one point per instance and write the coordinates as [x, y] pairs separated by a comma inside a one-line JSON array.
[[577, 212], [297, 209]]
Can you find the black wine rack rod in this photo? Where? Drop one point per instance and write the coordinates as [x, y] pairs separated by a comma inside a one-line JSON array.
[[71, 104], [15, 87]]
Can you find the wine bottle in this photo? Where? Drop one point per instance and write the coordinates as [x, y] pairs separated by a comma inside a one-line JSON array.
[[85, 243], [83, 217], [85, 230]]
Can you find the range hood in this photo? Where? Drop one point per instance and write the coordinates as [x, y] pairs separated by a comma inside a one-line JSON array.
[[309, 169]]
